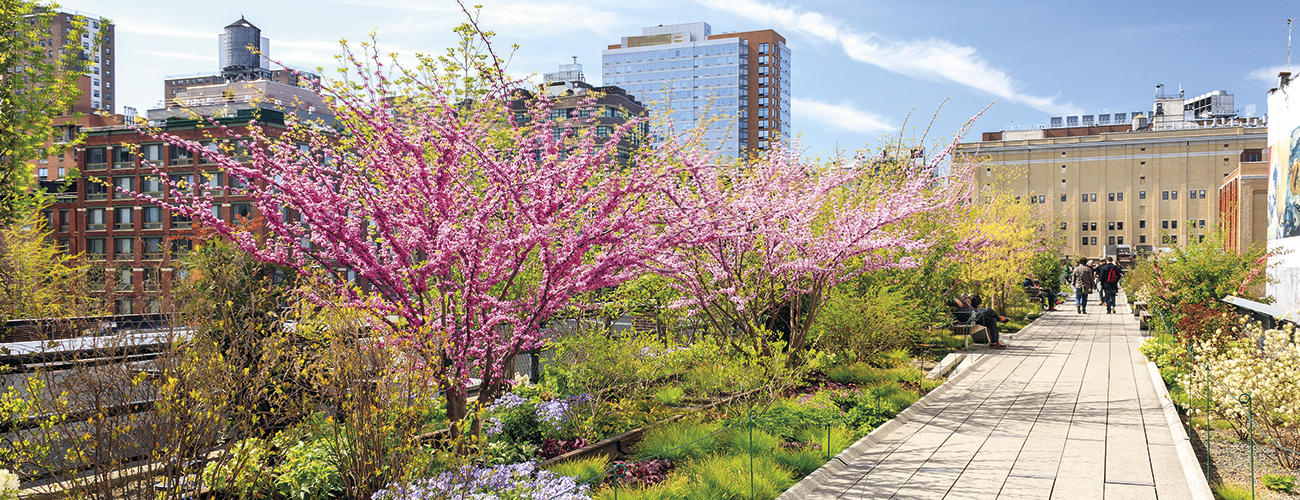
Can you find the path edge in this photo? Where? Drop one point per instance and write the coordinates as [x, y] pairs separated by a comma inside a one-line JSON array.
[[1196, 480], [813, 481]]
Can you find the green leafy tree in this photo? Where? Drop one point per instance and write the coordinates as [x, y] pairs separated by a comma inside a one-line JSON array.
[[37, 85]]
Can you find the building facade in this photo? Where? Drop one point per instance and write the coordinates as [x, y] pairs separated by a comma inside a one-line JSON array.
[[735, 87], [1243, 202], [131, 244], [582, 108], [1146, 183], [1284, 194], [243, 55], [94, 37]]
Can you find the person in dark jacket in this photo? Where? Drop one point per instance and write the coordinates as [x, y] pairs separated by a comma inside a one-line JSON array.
[[966, 306], [1108, 276], [1082, 280]]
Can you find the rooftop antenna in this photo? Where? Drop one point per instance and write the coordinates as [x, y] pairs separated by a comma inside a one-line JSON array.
[[1288, 41]]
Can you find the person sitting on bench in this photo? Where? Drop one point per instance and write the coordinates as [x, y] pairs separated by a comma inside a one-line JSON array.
[[965, 307], [1034, 291]]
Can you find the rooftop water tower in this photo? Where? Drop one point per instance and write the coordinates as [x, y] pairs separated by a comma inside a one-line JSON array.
[[244, 53]]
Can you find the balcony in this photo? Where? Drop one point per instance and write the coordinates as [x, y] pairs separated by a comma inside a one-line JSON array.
[[95, 227], [124, 226], [96, 166], [96, 196]]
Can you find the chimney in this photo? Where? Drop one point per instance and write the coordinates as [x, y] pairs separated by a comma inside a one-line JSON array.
[[1285, 77]]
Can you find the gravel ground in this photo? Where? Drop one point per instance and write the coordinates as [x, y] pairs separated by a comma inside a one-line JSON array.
[[1230, 461]]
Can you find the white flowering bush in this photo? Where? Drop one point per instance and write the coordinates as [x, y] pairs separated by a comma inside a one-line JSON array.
[[1265, 364], [8, 485]]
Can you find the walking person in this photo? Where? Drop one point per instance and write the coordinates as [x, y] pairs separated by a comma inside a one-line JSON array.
[[1108, 276], [1082, 280]]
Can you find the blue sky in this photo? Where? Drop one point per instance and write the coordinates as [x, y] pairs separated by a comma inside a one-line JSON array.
[[858, 68]]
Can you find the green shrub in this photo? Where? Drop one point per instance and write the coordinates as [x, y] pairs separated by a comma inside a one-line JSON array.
[[802, 461], [676, 487], [309, 471], [587, 470], [670, 396], [857, 373], [840, 438], [1278, 482], [1228, 491], [890, 359], [739, 440], [863, 321], [725, 477], [678, 442]]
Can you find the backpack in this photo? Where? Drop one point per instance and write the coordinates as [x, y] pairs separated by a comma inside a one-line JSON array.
[[1112, 275]]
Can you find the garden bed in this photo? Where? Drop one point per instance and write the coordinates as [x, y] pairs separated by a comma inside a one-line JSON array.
[[1229, 459]]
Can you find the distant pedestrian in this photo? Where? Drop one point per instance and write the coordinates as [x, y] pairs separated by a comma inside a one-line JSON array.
[[1083, 279], [1108, 276]]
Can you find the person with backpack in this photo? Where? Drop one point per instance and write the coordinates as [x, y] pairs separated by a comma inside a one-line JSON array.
[[1109, 275], [1082, 280]]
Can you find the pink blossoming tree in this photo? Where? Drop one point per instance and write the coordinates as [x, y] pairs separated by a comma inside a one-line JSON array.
[[466, 223], [771, 238]]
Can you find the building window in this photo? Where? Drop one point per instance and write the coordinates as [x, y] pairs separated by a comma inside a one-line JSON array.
[[1110, 240], [123, 306], [1200, 238], [1085, 226], [1093, 226], [1202, 194], [1142, 224], [241, 210], [1119, 196], [1110, 226], [1173, 195], [123, 248], [95, 250], [152, 248], [1119, 225], [1173, 238], [1062, 197], [1201, 223], [1191, 195], [123, 157], [152, 153], [1164, 224], [151, 217], [1063, 226], [42, 173], [1142, 238], [1042, 198], [1119, 239], [122, 187], [1142, 195], [1092, 240], [1110, 196], [180, 221], [763, 101], [96, 159], [123, 218], [763, 48], [1093, 198], [1062, 183], [1085, 240], [179, 155], [762, 59], [1173, 224], [1164, 195], [95, 219]]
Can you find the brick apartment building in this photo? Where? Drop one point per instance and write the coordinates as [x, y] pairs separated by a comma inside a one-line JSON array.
[[132, 244]]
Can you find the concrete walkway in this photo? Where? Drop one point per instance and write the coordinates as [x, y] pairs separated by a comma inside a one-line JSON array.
[[1068, 411]]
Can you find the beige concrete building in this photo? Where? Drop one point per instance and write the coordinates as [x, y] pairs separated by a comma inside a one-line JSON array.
[[1142, 184], [1243, 206]]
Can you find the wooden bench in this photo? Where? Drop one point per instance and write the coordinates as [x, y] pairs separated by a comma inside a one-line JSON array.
[[1138, 307], [1144, 320], [972, 333]]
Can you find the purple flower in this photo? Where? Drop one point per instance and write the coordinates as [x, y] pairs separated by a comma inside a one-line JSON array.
[[556, 412], [516, 481], [506, 401], [494, 426]]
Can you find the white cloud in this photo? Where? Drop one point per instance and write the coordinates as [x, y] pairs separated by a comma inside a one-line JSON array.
[[1268, 75], [182, 55], [152, 28], [843, 116], [932, 59], [517, 17]]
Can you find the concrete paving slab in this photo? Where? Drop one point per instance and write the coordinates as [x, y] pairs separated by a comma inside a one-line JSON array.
[[1069, 411]]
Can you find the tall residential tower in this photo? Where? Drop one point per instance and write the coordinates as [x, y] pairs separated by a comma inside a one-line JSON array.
[[735, 85]]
